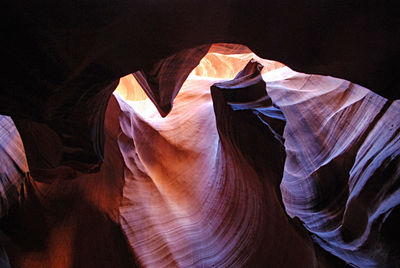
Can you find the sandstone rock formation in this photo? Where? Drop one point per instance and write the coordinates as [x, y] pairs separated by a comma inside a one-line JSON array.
[[241, 162]]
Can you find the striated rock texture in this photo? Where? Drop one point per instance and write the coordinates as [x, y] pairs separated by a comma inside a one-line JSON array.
[[342, 165], [258, 171], [315, 137], [13, 166], [202, 190]]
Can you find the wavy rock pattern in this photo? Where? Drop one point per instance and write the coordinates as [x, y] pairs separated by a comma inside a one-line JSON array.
[[210, 185], [196, 198], [342, 168], [339, 175]]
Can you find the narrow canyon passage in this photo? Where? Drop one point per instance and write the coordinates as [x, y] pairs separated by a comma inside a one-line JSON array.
[[245, 173]]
